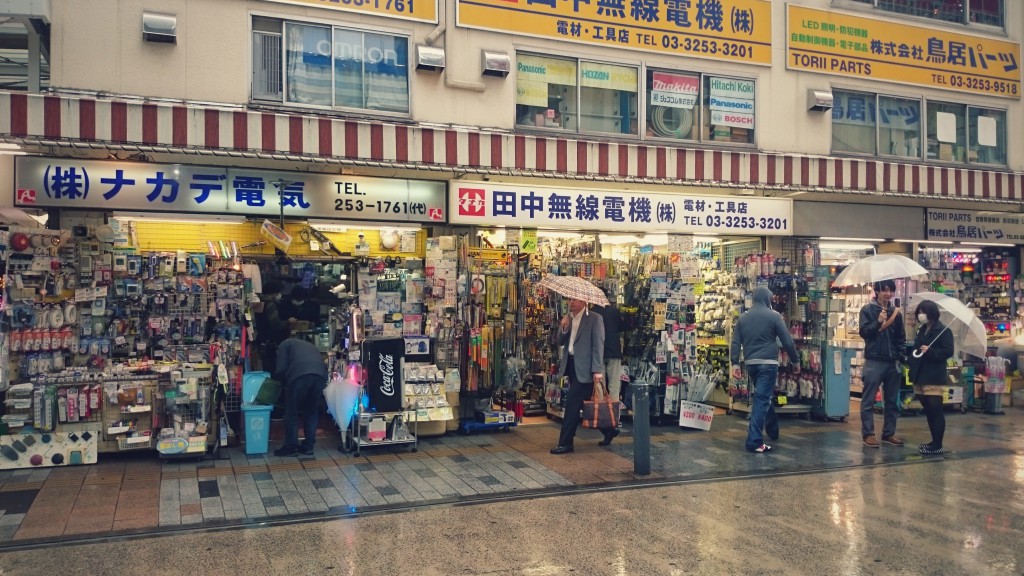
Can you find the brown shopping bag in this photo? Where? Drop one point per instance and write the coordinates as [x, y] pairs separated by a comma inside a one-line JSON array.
[[600, 412]]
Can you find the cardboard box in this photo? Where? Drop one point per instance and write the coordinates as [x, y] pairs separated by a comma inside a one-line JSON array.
[[437, 428]]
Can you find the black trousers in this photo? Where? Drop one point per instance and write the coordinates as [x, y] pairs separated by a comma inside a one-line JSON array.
[[574, 398]]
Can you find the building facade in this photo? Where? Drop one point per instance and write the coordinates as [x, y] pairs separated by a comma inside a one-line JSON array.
[[852, 101]]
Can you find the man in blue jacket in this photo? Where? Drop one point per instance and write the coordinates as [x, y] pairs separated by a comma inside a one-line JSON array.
[[885, 349], [758, 333]]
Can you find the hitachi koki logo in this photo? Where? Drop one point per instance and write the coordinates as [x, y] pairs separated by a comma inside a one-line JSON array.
[[471, 202], [386, 364]]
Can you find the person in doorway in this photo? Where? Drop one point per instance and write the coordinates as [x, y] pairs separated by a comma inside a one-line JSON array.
[[581, 335], [299, 307], [932, 347], [612, 348], [757, 334], [271, 327], [302, 370], [881, 327]]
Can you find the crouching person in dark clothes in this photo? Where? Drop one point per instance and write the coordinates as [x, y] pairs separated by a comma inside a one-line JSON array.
[[300, 365]]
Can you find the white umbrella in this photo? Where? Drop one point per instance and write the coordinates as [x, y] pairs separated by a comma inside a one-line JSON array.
[[968, 331], [574, 287], [877, 268]]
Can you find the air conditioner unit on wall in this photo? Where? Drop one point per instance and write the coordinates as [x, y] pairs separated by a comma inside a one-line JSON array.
[[160, 28]]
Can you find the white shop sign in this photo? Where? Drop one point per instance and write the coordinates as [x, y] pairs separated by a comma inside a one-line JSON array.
[[1003, 228], [489, 204], [695, 415]]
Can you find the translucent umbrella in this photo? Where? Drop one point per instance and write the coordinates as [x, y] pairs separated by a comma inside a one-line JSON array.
[[968, 331], [574, 287], [877, 268]]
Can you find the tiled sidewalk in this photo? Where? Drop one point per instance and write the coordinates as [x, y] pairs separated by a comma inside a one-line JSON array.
[[142, 493]]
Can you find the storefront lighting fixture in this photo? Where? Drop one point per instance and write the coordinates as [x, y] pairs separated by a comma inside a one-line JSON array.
[[846, 245], [9, 149], [180, 218], [859, 240], [965, 249], [706, 239], [349, 225], [990, 244], [616, 239], [945, 242], [560, 235]]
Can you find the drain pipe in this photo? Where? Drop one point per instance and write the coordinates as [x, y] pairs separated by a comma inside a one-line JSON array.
[[431, 39]]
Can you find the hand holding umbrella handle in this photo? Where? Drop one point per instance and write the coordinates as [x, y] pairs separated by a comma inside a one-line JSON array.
[[918, 353]]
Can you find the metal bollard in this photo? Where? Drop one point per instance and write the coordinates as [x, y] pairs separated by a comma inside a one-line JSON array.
[[641, 429]]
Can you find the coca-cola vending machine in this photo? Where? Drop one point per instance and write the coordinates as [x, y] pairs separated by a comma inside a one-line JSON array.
[[382, 359]]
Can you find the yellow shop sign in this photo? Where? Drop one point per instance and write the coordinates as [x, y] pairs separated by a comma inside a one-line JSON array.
[[421, 10], [837, 43], [725, 30]]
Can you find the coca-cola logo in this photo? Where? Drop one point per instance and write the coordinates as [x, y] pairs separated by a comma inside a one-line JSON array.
[[386, 364]]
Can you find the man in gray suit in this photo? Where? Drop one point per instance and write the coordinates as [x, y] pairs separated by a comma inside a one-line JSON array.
[[581, 335]]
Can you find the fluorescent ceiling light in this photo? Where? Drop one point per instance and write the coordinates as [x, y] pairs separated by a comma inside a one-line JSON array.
[[180, 218], [926, 241], [656, 239], [559, 235], [615, 239], [964, 250], [846, 245], [991, 244], [853, 239], [347, 225], [706, 239]]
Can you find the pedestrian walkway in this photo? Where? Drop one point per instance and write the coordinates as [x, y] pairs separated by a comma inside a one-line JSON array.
[[141, 494]]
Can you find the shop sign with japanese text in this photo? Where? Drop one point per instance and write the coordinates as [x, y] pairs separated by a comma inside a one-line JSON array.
[[727, 30], [421, 10], [487, 204], [139, 186], [977, 227], [836, 43]]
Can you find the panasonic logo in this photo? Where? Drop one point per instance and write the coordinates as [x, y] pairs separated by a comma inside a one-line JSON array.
[[732, 104], [532, 69]]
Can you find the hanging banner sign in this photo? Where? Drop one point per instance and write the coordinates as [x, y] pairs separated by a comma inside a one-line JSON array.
[[141, 186], [972, 226], [488, 204], [837, 43], [420, 10], [724, 30]]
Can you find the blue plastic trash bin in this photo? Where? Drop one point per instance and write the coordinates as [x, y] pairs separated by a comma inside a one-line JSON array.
[[256, 416]]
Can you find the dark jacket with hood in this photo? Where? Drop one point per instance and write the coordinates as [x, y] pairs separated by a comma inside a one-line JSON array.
[[883, 345], [759, 331], [930, 368]]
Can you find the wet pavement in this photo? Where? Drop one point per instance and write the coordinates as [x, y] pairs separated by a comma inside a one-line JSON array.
[[706, 496]]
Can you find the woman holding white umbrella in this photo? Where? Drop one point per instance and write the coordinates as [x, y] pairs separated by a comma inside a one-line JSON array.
[[933, 346]]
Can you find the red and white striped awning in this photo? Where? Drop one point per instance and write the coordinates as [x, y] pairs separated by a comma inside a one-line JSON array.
[[65, 120]]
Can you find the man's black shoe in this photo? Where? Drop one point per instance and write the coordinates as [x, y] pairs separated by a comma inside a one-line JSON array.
[[609, 436], [562, 449], [305, 451], [286, 451]]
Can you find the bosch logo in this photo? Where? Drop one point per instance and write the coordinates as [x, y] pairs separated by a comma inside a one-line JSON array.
[[471, 202], [26, 196]]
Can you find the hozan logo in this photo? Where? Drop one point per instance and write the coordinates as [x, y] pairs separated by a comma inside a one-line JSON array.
[[386, 365]]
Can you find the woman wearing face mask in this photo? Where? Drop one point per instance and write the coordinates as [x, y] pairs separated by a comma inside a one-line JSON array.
[[932, 347]]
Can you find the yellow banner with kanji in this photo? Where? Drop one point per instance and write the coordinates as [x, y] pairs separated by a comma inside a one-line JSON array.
[[731, 30], [847, 45]]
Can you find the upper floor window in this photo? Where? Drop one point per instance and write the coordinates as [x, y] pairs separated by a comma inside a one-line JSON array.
[[575, 95], [864, 123], [329, 66], [988, 12]]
